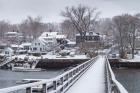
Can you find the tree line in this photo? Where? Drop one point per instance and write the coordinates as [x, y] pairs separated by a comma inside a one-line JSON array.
[[80, 19]]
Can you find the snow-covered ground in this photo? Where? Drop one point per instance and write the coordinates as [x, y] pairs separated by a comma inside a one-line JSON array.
[[64, 57], [24, 56], [92, 81], [51, 56], [136, 59]]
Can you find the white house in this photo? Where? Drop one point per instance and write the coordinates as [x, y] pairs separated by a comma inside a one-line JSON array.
[[26, 46], [53, 36], [38, 46], [46, 42], [8, 52]]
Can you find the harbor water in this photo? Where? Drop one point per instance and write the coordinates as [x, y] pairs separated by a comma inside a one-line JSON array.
[[129, 78], [8, 78]]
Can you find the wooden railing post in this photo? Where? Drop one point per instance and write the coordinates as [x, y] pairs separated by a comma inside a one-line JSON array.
[[61, 80], [44, 88], [54, 85], [28, 90]]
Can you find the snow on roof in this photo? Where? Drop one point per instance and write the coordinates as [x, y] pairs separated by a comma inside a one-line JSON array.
[[44, 34], [9, 49], [60, 36], [11, 32], [15, 45], [42, 41], [52, 35], [71, 43], [26, 44]]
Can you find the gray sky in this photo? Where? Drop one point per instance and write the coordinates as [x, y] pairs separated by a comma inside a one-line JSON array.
[[16, 11]]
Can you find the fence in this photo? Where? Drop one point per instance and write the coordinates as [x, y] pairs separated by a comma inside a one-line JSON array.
[[113, 86]]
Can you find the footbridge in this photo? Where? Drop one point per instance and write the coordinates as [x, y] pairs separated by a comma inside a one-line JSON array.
[[93, 76]]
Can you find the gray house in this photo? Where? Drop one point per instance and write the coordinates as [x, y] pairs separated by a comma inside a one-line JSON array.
[[90, 37]]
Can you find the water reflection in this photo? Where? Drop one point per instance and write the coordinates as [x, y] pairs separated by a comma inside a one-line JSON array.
[[129, 78], [9, 78]]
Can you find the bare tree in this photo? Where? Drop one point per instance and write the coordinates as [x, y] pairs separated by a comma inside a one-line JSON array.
[[133, 28], [120, 26], [68, 29], [81, 17], [4, 27], [31, 27], [126, 25]]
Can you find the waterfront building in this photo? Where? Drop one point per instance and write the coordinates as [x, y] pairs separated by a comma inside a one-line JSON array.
[[89, 37], [46, 42], [7, 52], [38, 47], [53, 36], [26, 46]]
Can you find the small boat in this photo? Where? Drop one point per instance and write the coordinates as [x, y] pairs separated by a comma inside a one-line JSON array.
[[26, 68], [22, 69], [25, 81]]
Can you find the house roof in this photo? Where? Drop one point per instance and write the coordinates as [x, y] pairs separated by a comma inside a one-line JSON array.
[[11, 33], [9, 49], [42, 41], [15, 45], [26, 44], [52, 35], [44, 34]]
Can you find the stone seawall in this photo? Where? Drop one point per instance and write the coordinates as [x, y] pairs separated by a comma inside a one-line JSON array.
[[59, 63]]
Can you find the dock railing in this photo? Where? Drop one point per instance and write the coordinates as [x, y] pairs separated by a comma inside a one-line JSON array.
[[7, 60], [60, 84], [113, 86]]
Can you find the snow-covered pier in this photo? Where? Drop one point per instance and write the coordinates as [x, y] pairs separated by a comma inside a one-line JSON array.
[[93, 76]]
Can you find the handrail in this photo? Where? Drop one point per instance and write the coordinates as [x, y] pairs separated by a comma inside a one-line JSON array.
[[118, 85], [67, 79], [8, 59]]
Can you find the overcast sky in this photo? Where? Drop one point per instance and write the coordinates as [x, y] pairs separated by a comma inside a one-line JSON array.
[[16, 11]]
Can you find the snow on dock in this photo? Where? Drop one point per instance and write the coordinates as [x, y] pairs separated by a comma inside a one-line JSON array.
[[93, 81]]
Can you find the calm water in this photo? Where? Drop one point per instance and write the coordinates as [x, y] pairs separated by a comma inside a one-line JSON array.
[[129, 78], [9, 78]]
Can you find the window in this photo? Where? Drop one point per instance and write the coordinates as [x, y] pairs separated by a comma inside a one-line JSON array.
[[6, 52], [40, 49], [35, 44], [34, 48], [38, 43]]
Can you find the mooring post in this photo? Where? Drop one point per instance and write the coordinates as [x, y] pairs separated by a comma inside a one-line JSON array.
[[44, 88], [28, 90]]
